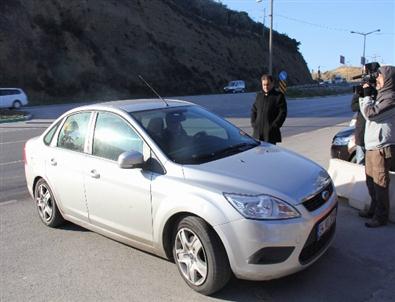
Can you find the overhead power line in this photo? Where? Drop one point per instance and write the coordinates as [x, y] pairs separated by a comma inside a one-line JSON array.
[[313, 24], [323, 26]]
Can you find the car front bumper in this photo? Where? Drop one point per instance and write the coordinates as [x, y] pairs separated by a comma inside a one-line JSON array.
[[264, 250]]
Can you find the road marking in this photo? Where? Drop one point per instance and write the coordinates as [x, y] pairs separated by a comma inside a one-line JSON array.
[[11, 163], [8, 202], [16, 142]]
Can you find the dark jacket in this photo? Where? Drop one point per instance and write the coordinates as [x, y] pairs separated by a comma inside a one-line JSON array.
[[360, 123], [268, 114]]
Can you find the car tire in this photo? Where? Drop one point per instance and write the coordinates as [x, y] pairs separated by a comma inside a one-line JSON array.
[[16, 104], [46, 205], [200, 256]]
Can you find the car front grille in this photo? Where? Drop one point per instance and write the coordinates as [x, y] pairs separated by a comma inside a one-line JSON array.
[[315, 245], [317, 200]]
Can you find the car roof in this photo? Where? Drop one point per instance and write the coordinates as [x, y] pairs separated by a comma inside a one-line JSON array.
[[135, 105], [10, 88]]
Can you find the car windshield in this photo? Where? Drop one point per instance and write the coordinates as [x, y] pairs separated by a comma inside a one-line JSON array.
[[192, 135]]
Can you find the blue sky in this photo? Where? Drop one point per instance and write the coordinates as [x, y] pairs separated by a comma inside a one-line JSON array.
[[323, 28]]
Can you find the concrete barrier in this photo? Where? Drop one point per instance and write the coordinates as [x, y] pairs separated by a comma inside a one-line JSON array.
[[349, 180]]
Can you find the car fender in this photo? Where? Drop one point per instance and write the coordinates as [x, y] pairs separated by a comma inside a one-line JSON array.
[[212, 207], [35, 171]]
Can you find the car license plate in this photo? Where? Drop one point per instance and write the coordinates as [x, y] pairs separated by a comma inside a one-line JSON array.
[[326, 224]]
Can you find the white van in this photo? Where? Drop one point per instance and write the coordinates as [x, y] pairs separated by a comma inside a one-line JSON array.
[[338, 80], [235, 86], [12, 98]]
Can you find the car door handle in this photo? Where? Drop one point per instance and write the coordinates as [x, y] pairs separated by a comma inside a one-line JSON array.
[[94, 174], [53, 162]]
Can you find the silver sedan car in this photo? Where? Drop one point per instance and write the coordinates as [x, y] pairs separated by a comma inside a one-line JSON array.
[[175, 180]]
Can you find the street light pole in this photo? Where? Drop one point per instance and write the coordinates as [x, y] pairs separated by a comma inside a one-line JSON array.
[[364, 41], [270, 37]]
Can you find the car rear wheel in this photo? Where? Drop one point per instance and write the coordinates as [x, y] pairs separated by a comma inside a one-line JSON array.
[[200, 256], [46, 205], [16, 104]]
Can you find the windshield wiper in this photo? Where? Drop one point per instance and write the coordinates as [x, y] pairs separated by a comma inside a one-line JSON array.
[[231, 150]]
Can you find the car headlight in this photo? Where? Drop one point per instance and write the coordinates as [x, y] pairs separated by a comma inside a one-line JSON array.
[[341, 140], [261, 206]]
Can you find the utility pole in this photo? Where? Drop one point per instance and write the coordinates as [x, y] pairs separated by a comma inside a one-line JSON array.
[[270, 37], [264, 19]]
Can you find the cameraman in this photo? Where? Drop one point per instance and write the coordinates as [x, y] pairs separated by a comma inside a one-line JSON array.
[[379, 144]]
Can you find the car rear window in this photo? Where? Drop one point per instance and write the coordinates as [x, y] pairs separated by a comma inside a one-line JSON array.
[[73, 133], [48, 137]]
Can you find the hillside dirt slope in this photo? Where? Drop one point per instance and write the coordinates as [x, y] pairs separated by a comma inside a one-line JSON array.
[[94, 49]]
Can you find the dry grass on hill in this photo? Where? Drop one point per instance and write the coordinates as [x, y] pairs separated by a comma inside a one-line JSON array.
[[346, 72]]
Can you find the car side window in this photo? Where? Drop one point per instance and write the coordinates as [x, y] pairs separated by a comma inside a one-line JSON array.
[[113, 136], [73, 133], [9, 92]]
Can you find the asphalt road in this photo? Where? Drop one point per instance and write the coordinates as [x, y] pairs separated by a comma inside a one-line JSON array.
[[72, 264]]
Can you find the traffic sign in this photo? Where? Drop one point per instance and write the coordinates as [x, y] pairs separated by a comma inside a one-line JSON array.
[[283, 75]]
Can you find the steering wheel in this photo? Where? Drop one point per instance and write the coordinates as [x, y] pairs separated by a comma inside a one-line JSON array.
[[199, 135]]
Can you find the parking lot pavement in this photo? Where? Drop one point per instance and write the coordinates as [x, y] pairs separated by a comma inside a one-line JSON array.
[[75, 264], [315, 145]]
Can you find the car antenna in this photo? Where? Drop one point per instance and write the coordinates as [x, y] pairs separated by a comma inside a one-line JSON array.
[[153, 90]]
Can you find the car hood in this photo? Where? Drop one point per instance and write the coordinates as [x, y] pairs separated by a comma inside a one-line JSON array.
[[346, 132], [266, 169]]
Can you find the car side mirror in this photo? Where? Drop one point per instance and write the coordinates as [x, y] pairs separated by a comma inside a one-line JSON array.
[[130, 160]]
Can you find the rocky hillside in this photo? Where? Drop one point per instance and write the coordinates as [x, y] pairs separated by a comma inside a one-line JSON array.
[[94, 49]]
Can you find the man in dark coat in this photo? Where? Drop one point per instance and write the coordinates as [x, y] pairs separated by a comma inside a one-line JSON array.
[[268, 112]]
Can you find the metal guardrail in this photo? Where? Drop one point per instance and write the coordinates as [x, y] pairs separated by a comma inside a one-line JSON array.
[[315, 86]]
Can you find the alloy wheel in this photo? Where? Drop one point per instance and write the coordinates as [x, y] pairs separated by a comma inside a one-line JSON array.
[[190, 256], [44, 202]]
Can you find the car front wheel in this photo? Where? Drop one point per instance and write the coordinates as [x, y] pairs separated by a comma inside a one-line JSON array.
[[46, 205], [200, 256]]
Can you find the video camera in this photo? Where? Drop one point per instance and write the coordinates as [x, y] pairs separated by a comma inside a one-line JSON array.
[[368, 76]]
